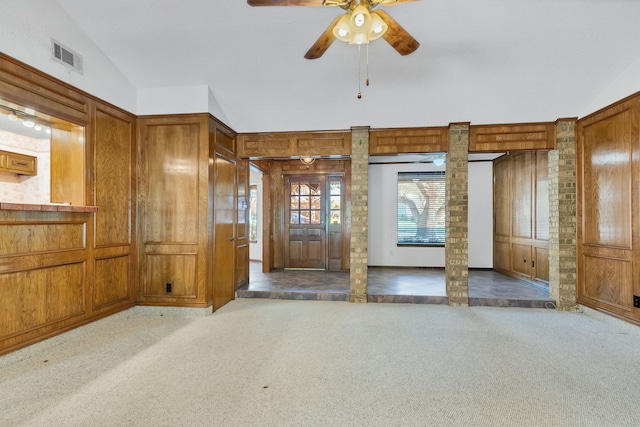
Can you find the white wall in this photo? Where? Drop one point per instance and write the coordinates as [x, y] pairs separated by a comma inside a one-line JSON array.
[[27, 29], [383, 213], [624, 84], [255, 249]]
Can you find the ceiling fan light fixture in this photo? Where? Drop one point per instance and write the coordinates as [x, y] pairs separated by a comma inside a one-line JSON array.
[[342, 30], [378, 27], [360, 19]]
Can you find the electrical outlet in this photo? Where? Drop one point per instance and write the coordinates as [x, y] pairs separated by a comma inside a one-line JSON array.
[[636, 301], [168, 287]]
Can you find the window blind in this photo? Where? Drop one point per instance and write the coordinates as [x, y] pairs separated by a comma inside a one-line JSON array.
[[421, 208]]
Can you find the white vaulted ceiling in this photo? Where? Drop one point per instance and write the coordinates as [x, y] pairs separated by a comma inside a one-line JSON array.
[[482, 61]]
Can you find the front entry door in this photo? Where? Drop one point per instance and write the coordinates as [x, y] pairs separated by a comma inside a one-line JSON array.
[[305, 236]]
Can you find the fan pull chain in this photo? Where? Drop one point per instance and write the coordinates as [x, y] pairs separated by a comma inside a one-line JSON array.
[[359, 71], [367, 64]]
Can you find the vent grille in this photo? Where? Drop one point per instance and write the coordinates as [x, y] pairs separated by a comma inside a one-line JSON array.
[[66, 56]]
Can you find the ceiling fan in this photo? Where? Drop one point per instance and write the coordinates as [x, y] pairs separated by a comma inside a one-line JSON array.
[[360, 25]]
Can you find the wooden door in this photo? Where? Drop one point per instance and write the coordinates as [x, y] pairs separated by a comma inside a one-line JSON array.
[[305, 222], [224, 228]]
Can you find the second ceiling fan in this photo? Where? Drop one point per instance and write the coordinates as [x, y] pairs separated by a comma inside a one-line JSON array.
[[360, 25]]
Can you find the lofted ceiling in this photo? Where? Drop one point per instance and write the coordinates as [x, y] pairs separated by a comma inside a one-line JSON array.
[[483, 61]]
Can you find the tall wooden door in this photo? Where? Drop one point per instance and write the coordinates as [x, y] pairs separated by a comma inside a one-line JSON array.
[[305, 222], [224, 226]]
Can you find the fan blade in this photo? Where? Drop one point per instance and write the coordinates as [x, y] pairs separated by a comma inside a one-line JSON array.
[[391, 2], [397, 36], [285, 2], [324, 41]]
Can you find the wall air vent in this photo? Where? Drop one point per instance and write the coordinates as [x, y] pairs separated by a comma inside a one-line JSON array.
[[66, 56]]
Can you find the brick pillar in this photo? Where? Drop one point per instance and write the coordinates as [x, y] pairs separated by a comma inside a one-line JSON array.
[[457, 215], [359, 214], [562, 216]]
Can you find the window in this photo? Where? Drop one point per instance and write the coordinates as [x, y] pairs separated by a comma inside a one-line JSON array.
[[253, 213], [305, 202], [421, 208]]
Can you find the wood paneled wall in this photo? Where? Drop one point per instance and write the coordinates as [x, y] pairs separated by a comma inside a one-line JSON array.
[[59, 270], [521, 215], [410, 140], [290, 144], [512, 137], [179, 257], [608, 161], [173, 154]]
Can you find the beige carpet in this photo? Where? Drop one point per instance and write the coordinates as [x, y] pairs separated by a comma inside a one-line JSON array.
[[299, 363]]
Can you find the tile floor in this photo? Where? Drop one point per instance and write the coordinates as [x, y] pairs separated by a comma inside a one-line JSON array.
[[395, 285]]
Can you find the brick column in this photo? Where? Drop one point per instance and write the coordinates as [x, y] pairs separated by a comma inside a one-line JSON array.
[[359, 213], [562, 216], [457, 215]]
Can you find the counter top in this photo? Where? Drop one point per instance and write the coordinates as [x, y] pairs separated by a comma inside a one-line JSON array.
[[46, 208]]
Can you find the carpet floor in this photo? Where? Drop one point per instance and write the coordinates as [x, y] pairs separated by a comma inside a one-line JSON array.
[[299, 363]]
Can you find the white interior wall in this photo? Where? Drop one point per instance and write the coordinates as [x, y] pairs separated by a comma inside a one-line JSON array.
[[383, 250], [255, 248], [26, 36]]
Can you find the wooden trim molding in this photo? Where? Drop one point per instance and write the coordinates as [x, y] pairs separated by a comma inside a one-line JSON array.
[[512, 137]]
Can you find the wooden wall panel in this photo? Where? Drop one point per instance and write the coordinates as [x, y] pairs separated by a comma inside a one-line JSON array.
[[541, 268], [409, 140], [291, 144], [35, 298], [521, 215], [68, 164], [179, 270], [113, 157], [172, 168], [608, 281], [521, 259], [47, 257], [502, 256], [512, 137], [502, 197], [607, 181], [20, 238], [111, 281], [608, 209], [521, 191]]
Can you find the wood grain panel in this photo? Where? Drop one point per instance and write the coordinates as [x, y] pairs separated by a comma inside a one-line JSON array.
[[17, 238], [27, 86], [65, 291], [113, 170], [502, 255], [111, 282], [608, 281], [291, 144], [179, 270], [502, 197], [541, 269], [607, 174], [295, 251], [172, 167], [409, 140], [521, 191], [521, 259], [541, 231], [242, 265], [512, 137], [67, 164], [37, 297]]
